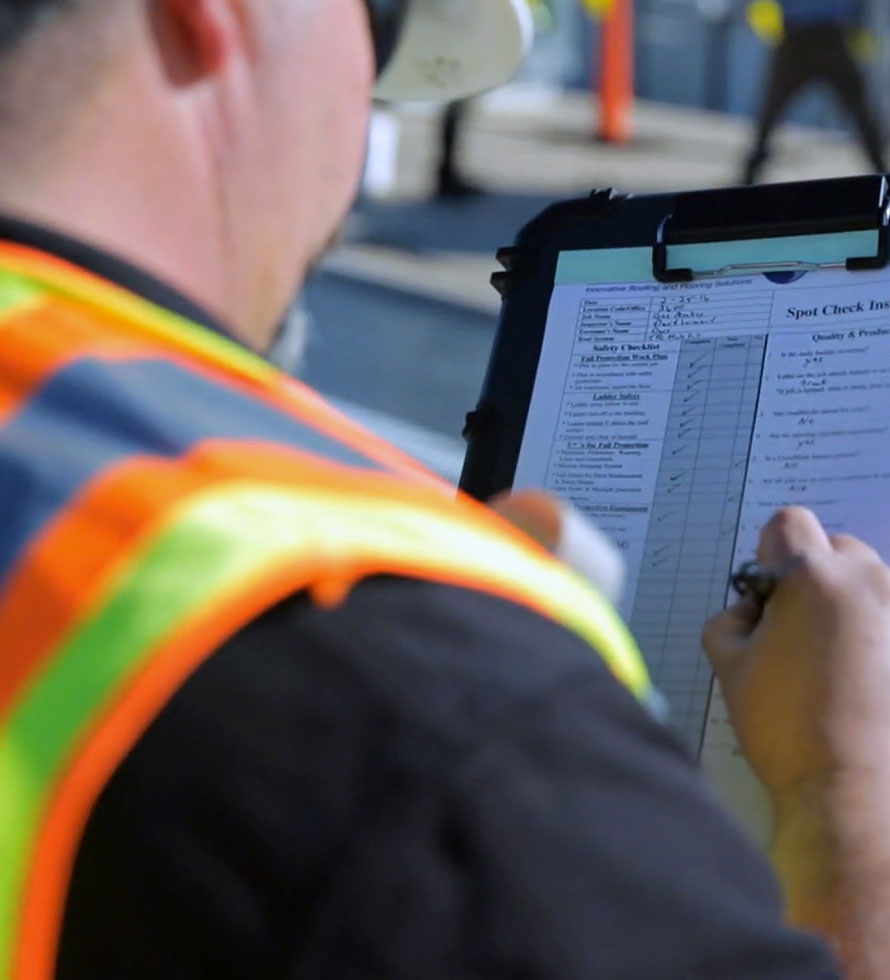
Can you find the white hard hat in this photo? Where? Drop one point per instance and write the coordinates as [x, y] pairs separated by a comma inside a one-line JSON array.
[[451, 49]]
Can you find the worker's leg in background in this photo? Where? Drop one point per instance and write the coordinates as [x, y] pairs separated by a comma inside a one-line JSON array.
[[449, 181], [845, 78], [793, 66]]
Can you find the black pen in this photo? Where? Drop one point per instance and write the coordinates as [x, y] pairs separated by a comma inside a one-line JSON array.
[[752, 579]]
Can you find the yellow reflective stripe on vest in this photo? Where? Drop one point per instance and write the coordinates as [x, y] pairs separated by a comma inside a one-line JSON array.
[[17, 295], [27, 274]]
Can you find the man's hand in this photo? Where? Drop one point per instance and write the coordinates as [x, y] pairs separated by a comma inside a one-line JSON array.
[[807, 683], [807, 686]]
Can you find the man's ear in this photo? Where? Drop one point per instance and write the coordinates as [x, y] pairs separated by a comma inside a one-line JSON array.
[[197, 38]]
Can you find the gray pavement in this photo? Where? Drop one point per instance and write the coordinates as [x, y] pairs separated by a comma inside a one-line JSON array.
[[539, 144], [395, 351]]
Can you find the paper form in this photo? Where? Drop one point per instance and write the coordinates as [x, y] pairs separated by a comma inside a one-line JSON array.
[[679, 417]]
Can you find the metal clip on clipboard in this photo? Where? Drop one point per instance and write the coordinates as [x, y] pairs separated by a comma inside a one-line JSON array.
[[772, 211]]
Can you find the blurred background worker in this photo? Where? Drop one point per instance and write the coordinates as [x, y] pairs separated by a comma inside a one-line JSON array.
[[274, 702], [813, 44], [450, 181]]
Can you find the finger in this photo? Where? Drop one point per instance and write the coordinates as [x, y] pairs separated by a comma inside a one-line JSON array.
[[585, 548], [854, 547], [725, 636], [537, 514], [791, 532], [565, 532]]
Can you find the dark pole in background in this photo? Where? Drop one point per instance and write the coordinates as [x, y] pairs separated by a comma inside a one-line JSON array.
[[878, 16]]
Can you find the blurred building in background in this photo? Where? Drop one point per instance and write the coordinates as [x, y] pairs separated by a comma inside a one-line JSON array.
[[701, 54]]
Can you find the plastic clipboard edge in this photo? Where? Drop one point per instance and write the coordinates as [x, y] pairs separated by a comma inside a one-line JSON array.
[[484, 425], [522, 255], [773, 210]]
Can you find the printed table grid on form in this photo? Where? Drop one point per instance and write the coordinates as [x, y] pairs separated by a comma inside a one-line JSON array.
[[678, 417]]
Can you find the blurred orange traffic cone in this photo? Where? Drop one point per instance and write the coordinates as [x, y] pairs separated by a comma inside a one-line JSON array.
[[616, 71]]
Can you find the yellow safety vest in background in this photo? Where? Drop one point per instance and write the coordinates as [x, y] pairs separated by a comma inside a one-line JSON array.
[[600, 9], [766, 18]]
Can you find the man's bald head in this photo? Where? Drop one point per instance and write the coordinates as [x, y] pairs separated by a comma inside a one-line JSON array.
[[216, 143], [51, 53]]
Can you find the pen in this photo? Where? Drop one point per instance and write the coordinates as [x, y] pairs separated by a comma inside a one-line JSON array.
[[752, 579]]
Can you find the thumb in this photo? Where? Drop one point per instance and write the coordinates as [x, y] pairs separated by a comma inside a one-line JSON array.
[[565, 532], [725, 636], [537, 514]]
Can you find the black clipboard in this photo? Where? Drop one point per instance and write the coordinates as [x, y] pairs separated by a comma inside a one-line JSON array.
[[608, 220]]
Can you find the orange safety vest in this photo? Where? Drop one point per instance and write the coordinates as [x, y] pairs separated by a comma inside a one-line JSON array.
[[162, 487]]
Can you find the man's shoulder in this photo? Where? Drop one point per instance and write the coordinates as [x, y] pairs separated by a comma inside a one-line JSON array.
[[275, 757], [446, 661]]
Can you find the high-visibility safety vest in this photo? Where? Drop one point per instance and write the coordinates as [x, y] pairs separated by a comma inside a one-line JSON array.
[[600, 9], [161, 487]]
